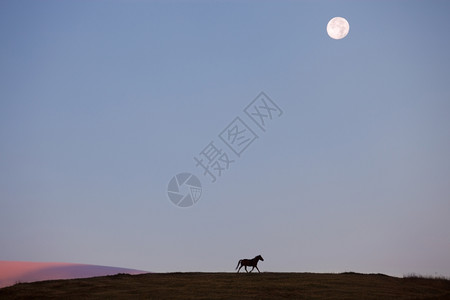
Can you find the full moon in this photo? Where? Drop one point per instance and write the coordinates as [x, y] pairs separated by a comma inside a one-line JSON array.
[[338, 28]]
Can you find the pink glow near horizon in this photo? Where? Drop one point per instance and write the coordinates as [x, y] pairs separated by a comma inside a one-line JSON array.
[[10, 269], [22, 271]]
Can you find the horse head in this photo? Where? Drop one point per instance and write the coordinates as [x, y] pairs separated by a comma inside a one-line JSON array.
[[259, 257]]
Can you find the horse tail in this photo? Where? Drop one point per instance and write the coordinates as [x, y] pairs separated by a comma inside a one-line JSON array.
[[239, 262]]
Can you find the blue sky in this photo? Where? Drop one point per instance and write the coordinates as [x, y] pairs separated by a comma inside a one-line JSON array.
[[102, 102]]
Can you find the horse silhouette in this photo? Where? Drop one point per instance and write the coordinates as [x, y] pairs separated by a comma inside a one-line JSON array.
[[249, 263]]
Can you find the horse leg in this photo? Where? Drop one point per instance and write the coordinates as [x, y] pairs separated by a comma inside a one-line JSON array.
[[240, 268], [252, 269], [257, 269], [246, 269]]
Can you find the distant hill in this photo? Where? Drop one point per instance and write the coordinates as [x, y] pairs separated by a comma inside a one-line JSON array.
[[234, 286], [12, 272]]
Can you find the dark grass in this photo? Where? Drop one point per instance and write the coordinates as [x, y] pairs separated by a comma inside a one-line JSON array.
[[234, 286]]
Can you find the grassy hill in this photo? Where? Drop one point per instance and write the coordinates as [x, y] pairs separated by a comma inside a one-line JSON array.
[[234, 286]]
